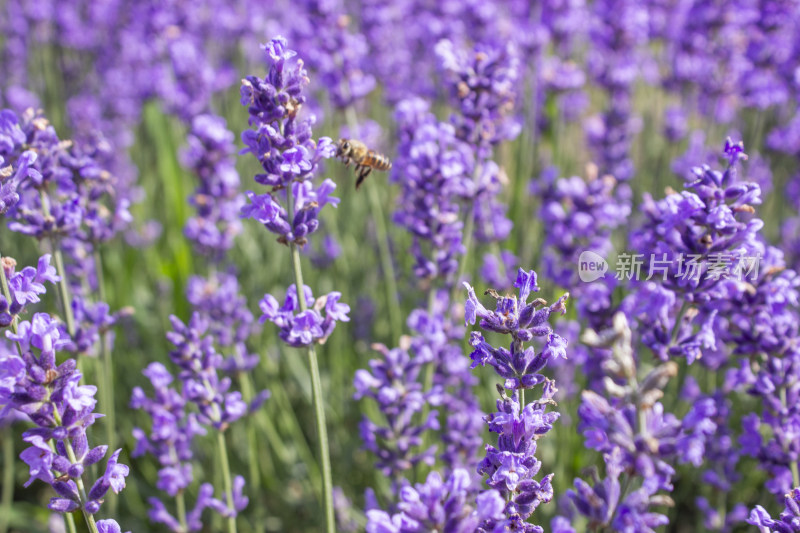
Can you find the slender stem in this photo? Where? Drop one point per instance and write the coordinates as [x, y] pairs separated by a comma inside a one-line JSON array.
[[469, 229], [63, 286], [226, 478], [392, 294], [247, 396], [678, 319], [430, 371], [180, 506], [71, 523], [8, 482], [316, 388], [793, 464], [106, 397]]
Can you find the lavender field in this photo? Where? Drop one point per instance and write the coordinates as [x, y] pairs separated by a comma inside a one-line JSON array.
[[399, 266]]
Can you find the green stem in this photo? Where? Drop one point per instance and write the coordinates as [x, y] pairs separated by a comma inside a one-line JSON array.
[[180, 505], [247, 396], [71, 523], [469, 229], [392, 294], [793, 464], [430, 369], [106, 397], [66, 301], [316, 388], [8, 482], [63, 286], [428, 385], [226, 477]]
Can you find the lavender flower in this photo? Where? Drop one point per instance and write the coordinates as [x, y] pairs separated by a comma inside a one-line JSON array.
[[282, 143], [511, 466], [172, 433], [174, 426], [707, 58], [619, 29], [230, 323], [789, 520], [636, 436], [580, 215], [15, 164], [771, 371], [335, 54], [694, 241], [52, 398], [307, 327], [210, 156], [519, 366], [791, 226], [436, 332], [438, 505], [434, 169], [24, 287], [482, 86], [72, 202], [393, 382]]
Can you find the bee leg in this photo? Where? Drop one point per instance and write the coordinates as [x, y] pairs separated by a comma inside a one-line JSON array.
[[362, 175]]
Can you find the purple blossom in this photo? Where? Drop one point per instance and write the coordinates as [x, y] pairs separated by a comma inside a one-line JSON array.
[[203, 401], [336, 54], [394, 383], [789, 520], [52, 398], [511, 466], [695, 241], [635, 435], [230, 323], [580, 215], [483, 87], [304, 328], [210, 155], [618, 31], [434, 169], [281, 140], [438, 505]]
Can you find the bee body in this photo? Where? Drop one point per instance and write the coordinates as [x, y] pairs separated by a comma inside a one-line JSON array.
[[365, 160]]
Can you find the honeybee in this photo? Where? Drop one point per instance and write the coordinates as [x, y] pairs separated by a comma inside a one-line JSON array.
[[352, 151]]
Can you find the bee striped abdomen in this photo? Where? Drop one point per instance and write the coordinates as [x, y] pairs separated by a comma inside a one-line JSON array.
[[377, 161]]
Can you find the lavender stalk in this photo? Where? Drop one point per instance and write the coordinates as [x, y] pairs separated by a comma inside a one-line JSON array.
[[316, 390], [282, 141]]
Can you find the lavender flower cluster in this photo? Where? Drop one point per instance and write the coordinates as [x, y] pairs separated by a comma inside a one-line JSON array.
[[38, 390]]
